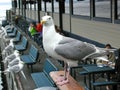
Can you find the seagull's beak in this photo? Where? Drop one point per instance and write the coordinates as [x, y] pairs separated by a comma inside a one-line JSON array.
[[43, 21]]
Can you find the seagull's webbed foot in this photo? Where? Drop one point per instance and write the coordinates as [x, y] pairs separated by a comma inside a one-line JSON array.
[[62, 82], [60, 79], [63, 79]]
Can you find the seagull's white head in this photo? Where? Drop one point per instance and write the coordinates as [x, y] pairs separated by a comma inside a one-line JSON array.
[[11, 42], [47, 20], [16, 52], [21, 62]]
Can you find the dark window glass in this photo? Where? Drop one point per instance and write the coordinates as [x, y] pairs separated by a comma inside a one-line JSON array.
[[118, 9]]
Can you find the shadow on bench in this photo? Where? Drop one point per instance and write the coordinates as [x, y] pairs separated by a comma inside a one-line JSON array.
[[43, 78]]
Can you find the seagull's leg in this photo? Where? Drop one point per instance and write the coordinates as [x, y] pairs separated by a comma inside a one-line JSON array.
[[67, 71], [64, 79]]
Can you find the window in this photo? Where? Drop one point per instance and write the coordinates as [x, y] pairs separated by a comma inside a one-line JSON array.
[[118, 2], [81, 7], [49, 6], [56, 6], [43, 6], [32, 6], [67, 6], [102, 8]]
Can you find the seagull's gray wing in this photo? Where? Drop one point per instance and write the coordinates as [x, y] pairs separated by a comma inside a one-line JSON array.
[[9, 58], [14, 62], [8, 48], [73, 49], [14, 68], [12, 56]]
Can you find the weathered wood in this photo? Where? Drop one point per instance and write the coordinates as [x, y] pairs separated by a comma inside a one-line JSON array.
[[72, 85]]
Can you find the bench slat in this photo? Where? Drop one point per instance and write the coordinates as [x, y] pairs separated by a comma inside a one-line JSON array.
[[105, 83], [27, 59], [83, 72], [41, 80]]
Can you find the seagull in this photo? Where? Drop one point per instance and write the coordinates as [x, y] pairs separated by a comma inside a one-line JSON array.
[[4, 32], [68, 49], [5, 36], [12, 56], [9, 47], [15, 68], [16, 61]]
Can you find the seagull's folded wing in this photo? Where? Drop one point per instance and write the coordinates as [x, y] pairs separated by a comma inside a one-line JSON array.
[[73, 49]]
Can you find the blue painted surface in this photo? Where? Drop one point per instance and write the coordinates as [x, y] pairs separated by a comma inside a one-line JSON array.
[[23, 44], [42, 79]]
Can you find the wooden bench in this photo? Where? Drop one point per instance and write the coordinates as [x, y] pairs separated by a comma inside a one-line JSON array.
[[72, 85], [43, 78], [31, 57]]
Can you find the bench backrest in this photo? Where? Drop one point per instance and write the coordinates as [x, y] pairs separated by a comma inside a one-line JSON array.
[[48, 67], [15, 31], [18, 36], [10, 28], [24, 41], [33, 52]]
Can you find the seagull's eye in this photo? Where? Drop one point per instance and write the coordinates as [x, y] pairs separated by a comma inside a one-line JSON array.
[[49, 18]]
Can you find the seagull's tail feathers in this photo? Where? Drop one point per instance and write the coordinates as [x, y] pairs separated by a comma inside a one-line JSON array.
[[23, 74], [3, 52], [89, 56], [5, 71], [3, 61], [97, 53], [108, 50], [6, 60], [103, 58]]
